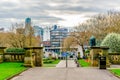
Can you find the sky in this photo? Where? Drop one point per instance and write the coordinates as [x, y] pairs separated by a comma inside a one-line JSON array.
[[68, 13]]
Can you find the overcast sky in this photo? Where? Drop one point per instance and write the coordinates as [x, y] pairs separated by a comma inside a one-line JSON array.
[[44, 12]]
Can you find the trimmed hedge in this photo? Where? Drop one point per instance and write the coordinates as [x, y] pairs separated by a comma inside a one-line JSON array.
[[15, 50]]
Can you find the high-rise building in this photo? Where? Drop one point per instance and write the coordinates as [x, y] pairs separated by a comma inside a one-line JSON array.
[[28, 21], [53, 37], [27, 25], [38, 31]]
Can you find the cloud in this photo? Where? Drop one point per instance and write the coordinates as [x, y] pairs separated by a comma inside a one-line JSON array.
[[45, 11]]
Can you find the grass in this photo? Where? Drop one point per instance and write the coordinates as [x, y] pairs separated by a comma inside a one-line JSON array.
[[115, 72], [56, 61], [9, 69], [83, 63], [51, 64]]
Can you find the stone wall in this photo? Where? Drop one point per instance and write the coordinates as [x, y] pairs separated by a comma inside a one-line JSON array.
[[33, 56], [2, 54], [114, 58], [96, 52], [11, 57]]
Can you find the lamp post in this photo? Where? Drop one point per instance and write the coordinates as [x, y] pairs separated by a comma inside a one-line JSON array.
[[60, 43], [66, 61]]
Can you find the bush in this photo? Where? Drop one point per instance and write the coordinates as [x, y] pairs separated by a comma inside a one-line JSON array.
[[87, 51], [47, 61], [112, 41], [15, 50]]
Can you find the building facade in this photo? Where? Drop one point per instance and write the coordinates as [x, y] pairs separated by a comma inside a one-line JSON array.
[[57, 35], [46, 35]]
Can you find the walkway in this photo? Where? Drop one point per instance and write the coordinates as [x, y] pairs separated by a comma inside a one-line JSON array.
[[114, 66], [65, 74], [62, 73], [70, 63]]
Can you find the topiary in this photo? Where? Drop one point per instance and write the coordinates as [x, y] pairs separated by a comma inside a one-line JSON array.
[[112, 40]]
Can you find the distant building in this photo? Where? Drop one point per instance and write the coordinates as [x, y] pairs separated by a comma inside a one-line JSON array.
[[46, 34], [27, 25], [46, 43], [1, 29], [38, 31], [57, 35]]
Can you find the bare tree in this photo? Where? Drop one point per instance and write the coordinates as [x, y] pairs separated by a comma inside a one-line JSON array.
[[99, 26], [18, 38]]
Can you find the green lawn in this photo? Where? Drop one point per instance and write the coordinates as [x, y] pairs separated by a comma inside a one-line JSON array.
[[8, 69], [115, 72], [53, 63], [83, 63]]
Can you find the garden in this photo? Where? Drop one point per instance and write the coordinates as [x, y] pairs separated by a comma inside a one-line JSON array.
[[112, 40], [13, 61], [84, 63]]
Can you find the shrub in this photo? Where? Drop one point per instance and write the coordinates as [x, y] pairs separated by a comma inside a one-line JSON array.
[[87, 51], [112, 40], [15, 50], [47, 61]]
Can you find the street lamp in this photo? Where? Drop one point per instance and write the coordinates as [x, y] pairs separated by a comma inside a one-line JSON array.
[[66, 61], [60, 43]]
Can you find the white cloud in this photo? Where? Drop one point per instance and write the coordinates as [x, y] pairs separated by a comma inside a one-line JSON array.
[[62, 12], [71, 20]]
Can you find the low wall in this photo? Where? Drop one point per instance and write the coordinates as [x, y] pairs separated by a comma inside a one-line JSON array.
[[14, 57], [114, 58], [31, 57], [1, 58]]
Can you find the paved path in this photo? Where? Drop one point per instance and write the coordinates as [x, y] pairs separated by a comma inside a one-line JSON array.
[[114, 66], [65, 74], [62, 73], [70, 63]]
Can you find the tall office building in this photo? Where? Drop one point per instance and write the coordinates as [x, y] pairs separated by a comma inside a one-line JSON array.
[[57, 35], [27, 25], [38, 31]]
